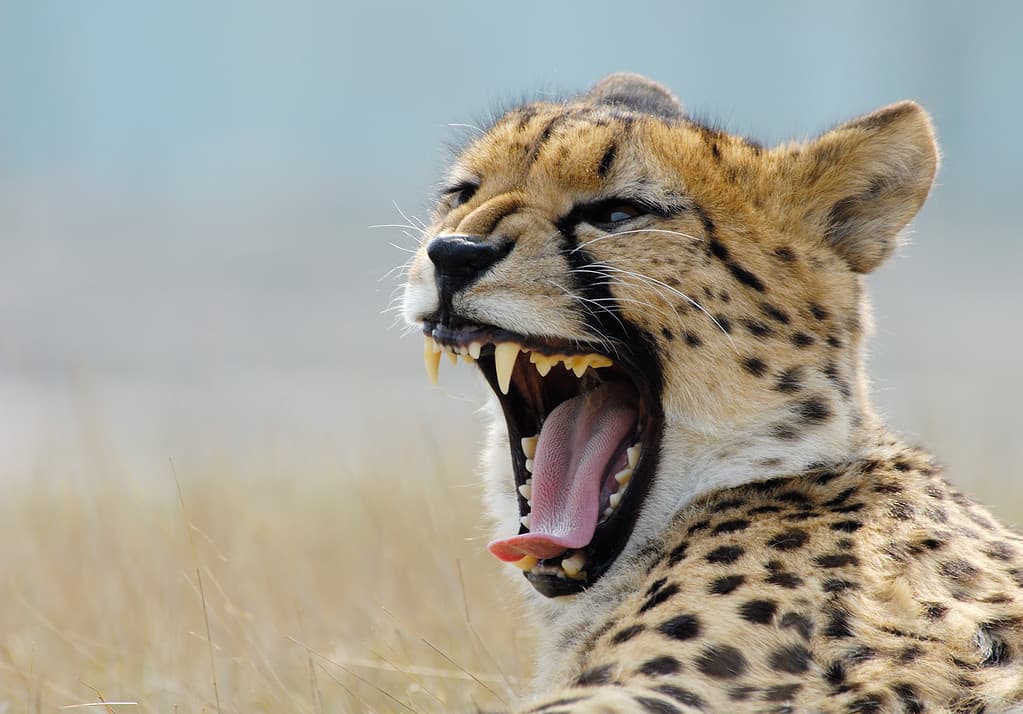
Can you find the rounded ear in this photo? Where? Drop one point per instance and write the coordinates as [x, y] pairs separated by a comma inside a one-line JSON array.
[[861, 183], [637, 93]]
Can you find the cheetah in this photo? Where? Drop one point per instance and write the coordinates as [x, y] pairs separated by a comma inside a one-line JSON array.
[[700, 504]]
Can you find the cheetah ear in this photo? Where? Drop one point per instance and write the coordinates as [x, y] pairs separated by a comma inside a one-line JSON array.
[[635, 92], [861, 183]]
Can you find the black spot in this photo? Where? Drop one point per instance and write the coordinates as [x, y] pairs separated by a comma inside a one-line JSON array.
[[833, 342], [721, 662], [910, 653], [764, 509], [735, 524], [657, 706], [837, 585], [775, 313], [660, 666], [1000, 551], [834, 674], [790, 380], [793, 497], [813, 411], [789, 540], [851, 508], [692, 339], [755, 366], [785, 255], [680, 695], [818, 312], [627, 634], [911, 701], [998, 651], [836, 560], [677, 554], [726, 505], [793, 659], [900, 510], [801, 339], [594, 676], [726, 584], [781, 692], [861, 654], [668, 334], [760, 612], [682, 627], [718, 249], [869, 704], [757, 328], [799, 516], [607, 159], [741, 694], [698, 526], [724, 554], [800, 623], [846, 526], [655, 586], [659, 597], [838, 624], [779, 577], [840, 498], [958, 570], [715, 151]]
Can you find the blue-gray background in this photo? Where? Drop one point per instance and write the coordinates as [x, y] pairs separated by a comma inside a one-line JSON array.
[[186, 191]]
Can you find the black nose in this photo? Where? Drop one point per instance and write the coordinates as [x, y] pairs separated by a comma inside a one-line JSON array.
[[465, 257]]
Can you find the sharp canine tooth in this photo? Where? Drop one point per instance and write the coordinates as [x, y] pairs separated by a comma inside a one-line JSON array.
[[431, 357], [474, 349], [615, 499], [573, 564], [598, 361], [529, 465], [526, 490], [579, 365], [504, 359], [633, 453], [529, 446], [526, 562], [525, 520], [623, 476]]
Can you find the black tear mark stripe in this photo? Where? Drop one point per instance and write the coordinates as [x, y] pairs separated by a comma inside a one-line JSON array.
[[544, 136], [607, 160]]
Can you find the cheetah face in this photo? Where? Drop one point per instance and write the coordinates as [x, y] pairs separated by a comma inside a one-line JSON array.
[[645, 297]]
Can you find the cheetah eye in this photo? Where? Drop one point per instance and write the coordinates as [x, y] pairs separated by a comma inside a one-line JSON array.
[[611, 213], [462, 193]]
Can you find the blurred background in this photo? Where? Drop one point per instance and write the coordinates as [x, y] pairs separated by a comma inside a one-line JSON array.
[[191, 287], [187, 190]]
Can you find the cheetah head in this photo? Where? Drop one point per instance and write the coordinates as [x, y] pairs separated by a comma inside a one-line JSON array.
[[660, 309]]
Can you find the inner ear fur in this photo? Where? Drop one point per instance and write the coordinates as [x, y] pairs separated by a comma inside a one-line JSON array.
[[861, 183]]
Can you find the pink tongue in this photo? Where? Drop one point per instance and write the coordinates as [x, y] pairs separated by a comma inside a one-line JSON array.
[[577, 442]]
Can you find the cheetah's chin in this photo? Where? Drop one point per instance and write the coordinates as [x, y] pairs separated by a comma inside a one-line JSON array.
[[584, 431]]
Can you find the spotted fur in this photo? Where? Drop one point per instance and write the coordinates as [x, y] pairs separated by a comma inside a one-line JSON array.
[[790, 554]]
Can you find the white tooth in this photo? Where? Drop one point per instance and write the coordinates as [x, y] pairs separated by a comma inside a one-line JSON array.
[[529, 446], [608, 511], [474, 349], [615, 499], [505, 355], [525, 520], [437, 346], [526, 562], [466, 357], [452, 357], [579, 366], [529, 465], [573, 564], [633, 453], [623, 476], [526, 490], [529, 481], [431, 357]]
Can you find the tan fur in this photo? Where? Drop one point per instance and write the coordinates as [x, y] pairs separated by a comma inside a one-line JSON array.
[[752, 295]]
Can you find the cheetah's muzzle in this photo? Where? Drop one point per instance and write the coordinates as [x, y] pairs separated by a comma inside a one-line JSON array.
[[584, 432]]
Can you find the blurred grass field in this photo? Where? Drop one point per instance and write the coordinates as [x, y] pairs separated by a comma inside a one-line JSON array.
[[358, 586]]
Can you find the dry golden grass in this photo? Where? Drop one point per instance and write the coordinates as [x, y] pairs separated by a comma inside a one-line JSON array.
[[352, 588]]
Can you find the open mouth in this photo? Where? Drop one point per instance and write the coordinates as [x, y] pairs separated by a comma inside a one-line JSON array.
[[584, 430]]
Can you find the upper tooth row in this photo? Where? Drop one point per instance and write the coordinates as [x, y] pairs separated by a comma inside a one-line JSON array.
[[505, 355]]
